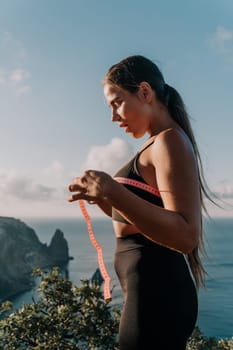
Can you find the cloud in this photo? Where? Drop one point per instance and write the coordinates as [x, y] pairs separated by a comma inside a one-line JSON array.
[[12, 50], [222, 42], [55, 170], [18, 76], [14, 185], [23, 90], [13, 58], [221, 38], [42, 195], [16, 79], [110, 157]]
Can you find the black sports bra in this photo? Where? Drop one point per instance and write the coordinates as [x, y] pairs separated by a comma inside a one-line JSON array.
[[130, 171]]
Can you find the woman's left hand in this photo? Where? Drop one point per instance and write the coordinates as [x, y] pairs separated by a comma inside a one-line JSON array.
[[92, 186]]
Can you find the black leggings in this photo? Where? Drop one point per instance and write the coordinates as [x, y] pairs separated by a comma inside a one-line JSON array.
[[160, 299]]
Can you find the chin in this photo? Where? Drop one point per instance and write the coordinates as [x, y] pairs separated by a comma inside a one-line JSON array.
[[137, 135]]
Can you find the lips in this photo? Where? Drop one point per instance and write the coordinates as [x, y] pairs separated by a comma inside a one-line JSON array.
[[123, 125]]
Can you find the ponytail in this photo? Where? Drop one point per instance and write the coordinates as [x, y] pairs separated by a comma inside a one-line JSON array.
[[179, 114]]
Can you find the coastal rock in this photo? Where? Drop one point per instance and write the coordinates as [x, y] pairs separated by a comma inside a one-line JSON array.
[[58, 249], [21, 251]]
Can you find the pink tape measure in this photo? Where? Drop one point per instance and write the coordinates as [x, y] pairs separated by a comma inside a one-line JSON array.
[[141, 185], [97, 246]]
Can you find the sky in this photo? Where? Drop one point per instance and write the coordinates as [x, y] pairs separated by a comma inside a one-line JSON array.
[[54, 120]]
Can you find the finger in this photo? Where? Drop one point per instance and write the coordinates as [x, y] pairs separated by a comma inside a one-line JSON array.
[[91, 174], [75, 197], [91, 202], [76, 183], [75, 188], [76, 180]]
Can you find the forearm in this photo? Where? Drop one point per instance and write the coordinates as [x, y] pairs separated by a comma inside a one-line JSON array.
[[104, 206], [163, 226]]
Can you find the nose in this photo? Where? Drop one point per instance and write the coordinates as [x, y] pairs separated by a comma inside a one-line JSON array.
[[115, 116]]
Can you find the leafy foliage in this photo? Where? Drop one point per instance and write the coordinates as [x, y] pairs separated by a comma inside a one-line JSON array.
[[200, 342], [67, 317]]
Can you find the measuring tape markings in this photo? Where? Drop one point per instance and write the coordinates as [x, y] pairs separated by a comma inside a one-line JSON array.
[[141, 185], [97, 246]]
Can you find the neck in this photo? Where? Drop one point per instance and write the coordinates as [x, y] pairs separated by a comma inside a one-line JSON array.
[[161, 121]]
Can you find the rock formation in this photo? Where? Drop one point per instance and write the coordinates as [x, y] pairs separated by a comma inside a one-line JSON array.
[[21, 251], [58, 248]]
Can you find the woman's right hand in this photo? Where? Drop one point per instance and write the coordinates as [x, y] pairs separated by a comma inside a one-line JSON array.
[[92, 186]]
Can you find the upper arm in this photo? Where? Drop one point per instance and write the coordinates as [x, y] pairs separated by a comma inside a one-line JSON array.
[[177, 174]]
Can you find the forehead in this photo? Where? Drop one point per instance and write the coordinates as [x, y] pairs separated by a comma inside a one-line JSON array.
[[112, 92]]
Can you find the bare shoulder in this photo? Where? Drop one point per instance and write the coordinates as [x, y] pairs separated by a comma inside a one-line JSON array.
[[173, 141], [176, 170]]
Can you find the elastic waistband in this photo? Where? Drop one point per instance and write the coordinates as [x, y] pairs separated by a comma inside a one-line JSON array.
[[134, 241]]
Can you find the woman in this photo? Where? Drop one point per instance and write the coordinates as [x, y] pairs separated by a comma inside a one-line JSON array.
[[158, 235]]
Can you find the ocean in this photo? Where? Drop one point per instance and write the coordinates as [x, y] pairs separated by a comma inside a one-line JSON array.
[[215, 301]]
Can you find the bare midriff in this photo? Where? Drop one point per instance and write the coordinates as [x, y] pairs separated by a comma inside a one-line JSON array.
[[122, 229]]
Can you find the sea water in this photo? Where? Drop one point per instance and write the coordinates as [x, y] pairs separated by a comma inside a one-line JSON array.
[[215, 301]]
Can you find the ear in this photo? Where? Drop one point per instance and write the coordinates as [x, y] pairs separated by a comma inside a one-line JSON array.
[[145, 92]]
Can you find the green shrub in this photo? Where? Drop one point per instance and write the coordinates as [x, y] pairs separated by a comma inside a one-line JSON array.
[[66, 317], [200, 342]]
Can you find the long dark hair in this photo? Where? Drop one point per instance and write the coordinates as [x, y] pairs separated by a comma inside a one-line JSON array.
[[128, 74]]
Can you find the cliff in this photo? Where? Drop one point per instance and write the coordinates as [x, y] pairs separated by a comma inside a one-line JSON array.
[[21, 251]]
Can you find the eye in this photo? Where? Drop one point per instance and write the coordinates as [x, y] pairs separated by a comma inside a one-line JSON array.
[[117, 103]]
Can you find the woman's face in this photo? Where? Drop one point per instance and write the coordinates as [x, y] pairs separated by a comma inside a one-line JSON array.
[[129, 110]]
